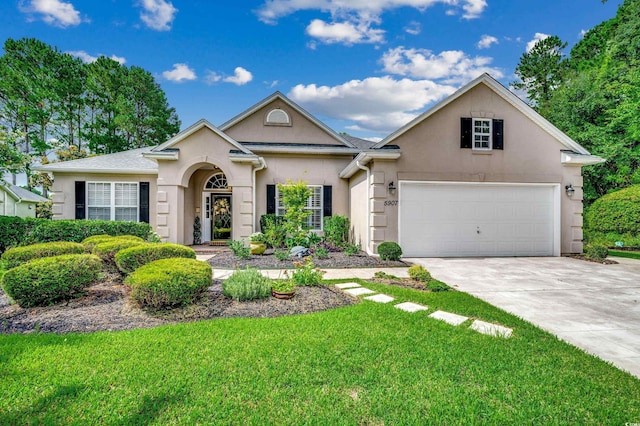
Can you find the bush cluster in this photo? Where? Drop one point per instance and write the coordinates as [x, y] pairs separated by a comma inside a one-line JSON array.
[[306, 273], [389, 251], [419, 273], [246, 284], [168, 283], [336, 230], [49, 280], [107, 251], [78, 230], [596, 251], [90, 242], [129, 259], [18, 255], [617, 212]]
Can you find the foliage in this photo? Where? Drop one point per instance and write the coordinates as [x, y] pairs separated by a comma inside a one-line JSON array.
[[132, 258], [419, 273], [617, 212], [329, 247], [258, 237], [383, 275], [12, 231], [321, 252], [246, 284], [168, 283], [352, 249], [49, 280], [281, 255], [596, 251], [107, 251], [90, 242], [239, 249], [283, 286], [295, 196], [389, 250], [78, 230], [436, 286], [336, 230], [12, 160], [612, 239], [306, 274], [44, 210], [273, 229], [18, 255]]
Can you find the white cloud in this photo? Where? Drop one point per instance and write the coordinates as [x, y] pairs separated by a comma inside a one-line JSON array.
[[536, 38], [451, 67], [486, 41], [473, 8], [212, 77], [179, 73], [88, 58], [158, 14], [582, 33], [375, 103], [53, 12], [414, 28], [344, 32], [241, 77]]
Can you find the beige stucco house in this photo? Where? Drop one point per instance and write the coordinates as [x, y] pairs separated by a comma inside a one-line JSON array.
[[16, 201], [479, 174]]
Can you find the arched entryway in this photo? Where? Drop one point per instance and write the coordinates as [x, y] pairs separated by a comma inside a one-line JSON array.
[[217, 214]]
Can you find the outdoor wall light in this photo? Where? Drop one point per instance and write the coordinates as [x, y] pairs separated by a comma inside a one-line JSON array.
[[392, 188], [569, 190]]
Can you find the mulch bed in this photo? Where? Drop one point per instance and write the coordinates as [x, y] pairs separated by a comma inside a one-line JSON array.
[[586, 259], [227, 260]]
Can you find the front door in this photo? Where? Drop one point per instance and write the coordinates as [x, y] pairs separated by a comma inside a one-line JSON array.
[[220, 216]]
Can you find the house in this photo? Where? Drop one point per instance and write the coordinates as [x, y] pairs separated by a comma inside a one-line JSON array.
[[16, 201], [479, 174]]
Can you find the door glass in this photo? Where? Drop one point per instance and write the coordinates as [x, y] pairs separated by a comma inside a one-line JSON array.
[[221, 217]]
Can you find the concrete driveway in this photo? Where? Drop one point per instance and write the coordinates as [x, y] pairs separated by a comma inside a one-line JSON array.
[[592, 306]]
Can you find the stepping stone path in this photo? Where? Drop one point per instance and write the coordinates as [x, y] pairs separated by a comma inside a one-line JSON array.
[[450, 318]]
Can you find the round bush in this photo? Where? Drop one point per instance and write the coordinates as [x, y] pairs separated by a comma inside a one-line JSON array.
[[389, 251], [168, 283], [419, 273], [19, 255], [107, 251], [617, 212], [247, 284], [90, 242], [130, 259], [49, 280]]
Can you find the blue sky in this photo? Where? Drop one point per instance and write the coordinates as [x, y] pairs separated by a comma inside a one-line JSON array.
[[362, 66]]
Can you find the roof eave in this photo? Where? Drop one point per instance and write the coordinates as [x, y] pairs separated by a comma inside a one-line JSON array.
[[580, 159], [98, 171], [198, 125], [364, 158], [162, 155]]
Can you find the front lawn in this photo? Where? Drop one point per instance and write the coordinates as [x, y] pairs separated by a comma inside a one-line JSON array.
[[625, 253], [364, 364]]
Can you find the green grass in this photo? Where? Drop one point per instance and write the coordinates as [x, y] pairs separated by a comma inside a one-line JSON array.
[[625, 253], [364, 364]]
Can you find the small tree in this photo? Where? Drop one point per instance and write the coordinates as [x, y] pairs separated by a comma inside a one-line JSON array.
[[294, 198]]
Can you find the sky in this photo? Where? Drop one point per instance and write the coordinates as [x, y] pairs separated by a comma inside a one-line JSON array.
[[365, 67]]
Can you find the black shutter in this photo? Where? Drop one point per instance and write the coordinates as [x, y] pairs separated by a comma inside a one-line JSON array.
[[466, 132], [271, 199], [144, 202], [80, 199], [498, 134], [326, 199]]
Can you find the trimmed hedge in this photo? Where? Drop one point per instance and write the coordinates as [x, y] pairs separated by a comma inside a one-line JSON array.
[[90, 242], [18, 255], [78, 230], [617, 212], [132, 258], [107, 251], [46, 281], [167, 283], [389, 251]]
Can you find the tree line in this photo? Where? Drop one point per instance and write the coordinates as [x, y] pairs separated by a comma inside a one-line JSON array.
[[593, 95]]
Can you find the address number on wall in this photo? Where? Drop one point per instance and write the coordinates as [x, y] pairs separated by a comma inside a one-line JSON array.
[[391, 203]]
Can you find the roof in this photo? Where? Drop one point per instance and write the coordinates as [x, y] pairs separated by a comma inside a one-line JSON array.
[[21, 194], [200, 124], [358, 142], [277, 95], [508, 96], [126, 162], [300, 148]]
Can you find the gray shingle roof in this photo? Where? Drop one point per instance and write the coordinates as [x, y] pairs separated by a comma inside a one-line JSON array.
[[130, 161], [23, 194], [359, 143]]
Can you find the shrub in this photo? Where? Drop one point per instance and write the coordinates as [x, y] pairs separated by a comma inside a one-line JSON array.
[[306, 273], [129, 259], [283, 286], [389, 251], [78, 230], [45, 281], [352, 249], [12, 231], [90, 242], [239, 249], [336, 230], [281, 255], [617, 212], [168, 283], [19, 255], [246, 284], [273, 229], [419, 273], [321, 252], [596, 251], [435, 286], [107, 251]]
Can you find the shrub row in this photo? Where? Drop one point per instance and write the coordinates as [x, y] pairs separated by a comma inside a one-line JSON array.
[[129, 259], [18, 255], [617, 212], [89, 243], [107, 251], [52, 279]]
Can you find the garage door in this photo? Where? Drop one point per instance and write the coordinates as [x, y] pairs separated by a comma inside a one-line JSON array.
[[459, 219]]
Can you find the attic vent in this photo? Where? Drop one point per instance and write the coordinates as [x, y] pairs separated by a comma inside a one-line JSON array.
[[278, 117]]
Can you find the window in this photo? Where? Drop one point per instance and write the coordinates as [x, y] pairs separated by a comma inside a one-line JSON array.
[[112, 201], [278, 117], [314, 204], [481, 134]]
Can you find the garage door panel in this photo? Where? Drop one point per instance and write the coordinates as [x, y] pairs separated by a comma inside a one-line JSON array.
[[444, 220]]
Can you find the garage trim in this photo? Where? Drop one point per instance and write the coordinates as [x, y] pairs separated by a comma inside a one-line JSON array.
[[556, 201]]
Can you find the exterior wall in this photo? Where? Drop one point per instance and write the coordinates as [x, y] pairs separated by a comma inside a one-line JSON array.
[[431, 151], [315, 170], [10, 207], [301, 130], [358, 200], [64, 190]]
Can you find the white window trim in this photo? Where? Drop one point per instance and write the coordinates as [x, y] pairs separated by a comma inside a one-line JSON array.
[[277, 123], [112, 205], [279, 206], [473, 133]]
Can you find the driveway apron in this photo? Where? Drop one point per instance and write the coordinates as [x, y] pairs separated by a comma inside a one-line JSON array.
[[592, 306]]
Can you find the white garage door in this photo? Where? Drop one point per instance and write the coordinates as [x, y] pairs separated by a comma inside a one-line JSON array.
[[459, 219]]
